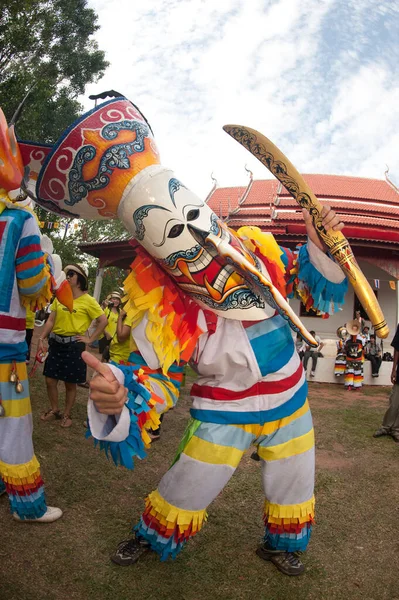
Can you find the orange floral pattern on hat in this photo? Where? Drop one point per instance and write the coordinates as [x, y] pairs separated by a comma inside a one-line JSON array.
[[90, 166]]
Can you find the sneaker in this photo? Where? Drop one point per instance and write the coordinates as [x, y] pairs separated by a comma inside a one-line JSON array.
[[380, 432], [395, 439], [348, 388], [286, 562], [52, 514], [51, 415], [130, 551], [312, 373], [66, 421]]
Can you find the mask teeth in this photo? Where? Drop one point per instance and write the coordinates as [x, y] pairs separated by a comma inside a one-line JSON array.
[[11, 165]]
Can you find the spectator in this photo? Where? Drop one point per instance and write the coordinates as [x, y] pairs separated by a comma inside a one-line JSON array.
[[340, 359], [361, 321], [67, 340], [366, 334], [373, 354], [29, 327], [390, 422], [111, 310], [312, 353], [354, 356], [300, 346]]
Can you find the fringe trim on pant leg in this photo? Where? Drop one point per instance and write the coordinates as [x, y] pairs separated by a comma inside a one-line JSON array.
[[168, 527], [288, 527], [25, 489]]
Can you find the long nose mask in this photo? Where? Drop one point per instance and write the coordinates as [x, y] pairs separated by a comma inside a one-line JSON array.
[[256, 280]]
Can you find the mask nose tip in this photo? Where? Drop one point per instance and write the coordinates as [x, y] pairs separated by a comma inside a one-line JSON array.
[[198, 234]]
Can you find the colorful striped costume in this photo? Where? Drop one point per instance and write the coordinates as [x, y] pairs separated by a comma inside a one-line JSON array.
[[340, 359], [251, 390], [354, 362], [25, 280]]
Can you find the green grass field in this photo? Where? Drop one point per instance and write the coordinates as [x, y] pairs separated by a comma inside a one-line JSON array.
[[353, 553]]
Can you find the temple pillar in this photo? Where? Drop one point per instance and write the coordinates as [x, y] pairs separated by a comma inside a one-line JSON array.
[[98, 284], [397, 303]]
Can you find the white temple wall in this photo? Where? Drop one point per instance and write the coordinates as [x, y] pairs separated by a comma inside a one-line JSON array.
[[388, 299]]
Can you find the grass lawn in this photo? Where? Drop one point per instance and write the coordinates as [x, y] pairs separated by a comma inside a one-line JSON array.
[[353, 553]]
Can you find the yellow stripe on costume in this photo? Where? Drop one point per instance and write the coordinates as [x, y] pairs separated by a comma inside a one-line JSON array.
[[170, 515], [25, 473], [268, 428], [293, 447], [5, 371], [17, 408], [289, 513], [214, 454]]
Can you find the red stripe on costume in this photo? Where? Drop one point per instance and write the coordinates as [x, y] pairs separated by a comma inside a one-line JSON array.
[[259, 389], [30, 264], [13, 323], [28, 249]]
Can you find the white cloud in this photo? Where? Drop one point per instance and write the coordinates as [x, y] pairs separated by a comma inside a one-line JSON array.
[[316, 76]]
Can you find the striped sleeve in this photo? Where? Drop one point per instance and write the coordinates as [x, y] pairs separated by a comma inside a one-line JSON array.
[[32, 270]]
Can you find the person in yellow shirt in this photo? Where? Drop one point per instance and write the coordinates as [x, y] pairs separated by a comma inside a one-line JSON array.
[[122, 343], [67, 340], [111, 311]]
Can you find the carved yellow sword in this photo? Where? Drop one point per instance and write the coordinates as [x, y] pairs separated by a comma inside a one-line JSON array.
[[278, 164]]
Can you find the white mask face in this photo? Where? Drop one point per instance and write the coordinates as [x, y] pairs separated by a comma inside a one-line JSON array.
[[171, 223]]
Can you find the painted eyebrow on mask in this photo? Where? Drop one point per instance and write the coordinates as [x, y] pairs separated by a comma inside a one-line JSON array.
[[140, 214]]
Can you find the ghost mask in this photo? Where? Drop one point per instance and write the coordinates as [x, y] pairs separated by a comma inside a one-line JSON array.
[[107, 165]]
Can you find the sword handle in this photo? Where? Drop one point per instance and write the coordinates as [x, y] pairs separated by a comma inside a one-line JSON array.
[[279, 165]]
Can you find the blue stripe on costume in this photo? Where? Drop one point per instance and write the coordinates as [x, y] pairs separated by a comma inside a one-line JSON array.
[[27, 273], [289, 542], [14, 221], [30, 256], [31, 506], [275, 335], [259, 417], [13, 352], [164, 547], [234, 437], [9, 392], [29, 240], [34, 289], [288, 432]]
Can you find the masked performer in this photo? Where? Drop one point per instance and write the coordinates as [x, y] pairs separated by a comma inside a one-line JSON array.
[[354, 356], [29, 276], [197, 292], [340, 359]]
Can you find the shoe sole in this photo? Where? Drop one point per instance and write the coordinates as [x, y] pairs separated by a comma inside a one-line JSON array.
[[269, 558], [126, 563]]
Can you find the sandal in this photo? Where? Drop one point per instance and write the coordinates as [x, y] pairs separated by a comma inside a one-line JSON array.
[[51, 415], [66, 421]]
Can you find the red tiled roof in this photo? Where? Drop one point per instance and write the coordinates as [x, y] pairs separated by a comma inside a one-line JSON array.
[[369, 207], [263, 192]]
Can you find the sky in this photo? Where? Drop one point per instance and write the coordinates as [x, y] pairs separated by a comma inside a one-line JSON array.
[[318, 77]]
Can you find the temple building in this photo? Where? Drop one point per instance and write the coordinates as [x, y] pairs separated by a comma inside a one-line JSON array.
[[369, 208]]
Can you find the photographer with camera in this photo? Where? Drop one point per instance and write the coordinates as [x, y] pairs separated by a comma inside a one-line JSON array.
[[111, 310]]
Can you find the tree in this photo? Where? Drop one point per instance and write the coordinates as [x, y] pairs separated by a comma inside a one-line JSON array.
[[47, 45]]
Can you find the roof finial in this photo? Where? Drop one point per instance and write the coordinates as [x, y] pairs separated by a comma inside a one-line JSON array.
[[245, 194], [215, 185], [389, 181]]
